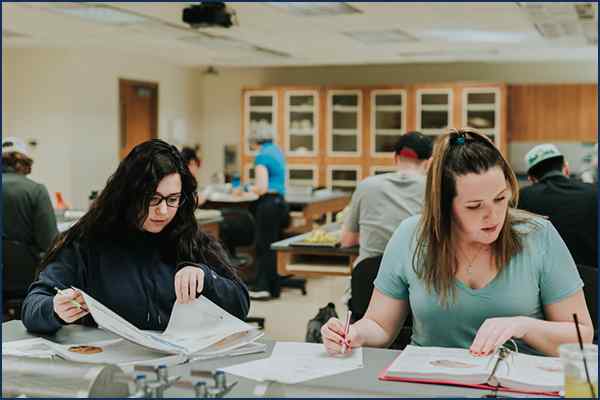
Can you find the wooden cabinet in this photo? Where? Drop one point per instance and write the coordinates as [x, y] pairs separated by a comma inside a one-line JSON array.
[[544, 113], [336, 136]]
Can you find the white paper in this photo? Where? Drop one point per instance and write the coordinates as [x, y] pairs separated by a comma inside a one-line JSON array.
[[439, 363], [192, 327], [293, 362], [533, 373], [518, 371], [36, 347], [201, 323], [117, 351]]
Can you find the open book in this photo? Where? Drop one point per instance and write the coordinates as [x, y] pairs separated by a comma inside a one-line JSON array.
[[120, 352], [518, 372], [200, 329]]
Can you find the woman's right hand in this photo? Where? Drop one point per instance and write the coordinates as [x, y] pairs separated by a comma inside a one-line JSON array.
[[333, 337], [64, 307]]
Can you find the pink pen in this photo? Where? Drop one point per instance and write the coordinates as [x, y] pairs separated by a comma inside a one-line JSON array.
[[346, 330]]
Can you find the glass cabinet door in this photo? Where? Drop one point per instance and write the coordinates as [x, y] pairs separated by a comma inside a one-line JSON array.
[[388, 120], [381, 169], [302, 175], [344, 122], [249, 176], [434, 110], [260, 115], [481, 110], [343, 178], [301, 122]]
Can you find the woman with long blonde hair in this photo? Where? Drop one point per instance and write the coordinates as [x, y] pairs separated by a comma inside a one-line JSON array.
[[475, 271]]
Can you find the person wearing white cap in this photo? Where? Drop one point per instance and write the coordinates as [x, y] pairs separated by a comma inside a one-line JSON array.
[[28, 216], [570, 205], [589, 173]]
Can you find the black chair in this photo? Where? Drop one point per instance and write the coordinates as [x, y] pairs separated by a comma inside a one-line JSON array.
[[589, 275], [237, 230], [361, 283], [19, 270]]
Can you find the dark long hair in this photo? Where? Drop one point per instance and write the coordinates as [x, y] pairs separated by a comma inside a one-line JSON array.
[[122, 207]]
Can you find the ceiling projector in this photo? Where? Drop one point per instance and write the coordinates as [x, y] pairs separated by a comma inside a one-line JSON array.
[[208, 14]]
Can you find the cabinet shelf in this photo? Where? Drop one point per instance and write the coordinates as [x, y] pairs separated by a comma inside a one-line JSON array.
[[389, 108]]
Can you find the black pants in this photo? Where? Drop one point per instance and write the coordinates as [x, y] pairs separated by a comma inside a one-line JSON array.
[[272, 215]]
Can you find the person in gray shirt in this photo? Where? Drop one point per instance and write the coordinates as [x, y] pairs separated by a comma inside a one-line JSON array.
[[381, 202], [27, 213]]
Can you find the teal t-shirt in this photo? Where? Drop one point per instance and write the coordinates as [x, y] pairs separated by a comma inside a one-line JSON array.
[[543, 273], [273, 160]]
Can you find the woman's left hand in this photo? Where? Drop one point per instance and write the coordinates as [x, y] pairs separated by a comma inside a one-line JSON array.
[[189, 281], [494, 332]]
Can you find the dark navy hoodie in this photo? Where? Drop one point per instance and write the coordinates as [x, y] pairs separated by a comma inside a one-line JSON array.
[[130, 275]]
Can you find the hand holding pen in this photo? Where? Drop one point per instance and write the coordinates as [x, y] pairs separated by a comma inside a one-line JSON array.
[[338, 338], [69, 305], [345, 343]]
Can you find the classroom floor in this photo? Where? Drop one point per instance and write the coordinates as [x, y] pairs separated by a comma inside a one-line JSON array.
[[286, 317]]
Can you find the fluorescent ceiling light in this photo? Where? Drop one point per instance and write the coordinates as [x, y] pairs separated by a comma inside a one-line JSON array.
[[474, 36], [381, 37], [315, 9], [102, 14], [564, 20], [222, 42]]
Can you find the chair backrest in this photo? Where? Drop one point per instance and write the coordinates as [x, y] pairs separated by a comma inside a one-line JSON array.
[[589, 275], [237, 228], [19, 268], [363, 276]]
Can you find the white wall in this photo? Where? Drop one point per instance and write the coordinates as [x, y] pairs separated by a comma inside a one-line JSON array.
[[68, 100], [221, 102]]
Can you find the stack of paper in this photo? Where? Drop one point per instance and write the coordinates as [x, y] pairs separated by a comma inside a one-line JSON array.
[[36, 347], [198, 330], [193, 328], [293, 362]]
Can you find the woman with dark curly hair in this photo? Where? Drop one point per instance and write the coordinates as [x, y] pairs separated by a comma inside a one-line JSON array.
[[138, 250]]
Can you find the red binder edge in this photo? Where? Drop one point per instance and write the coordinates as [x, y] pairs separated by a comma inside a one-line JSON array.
[[384, 377]]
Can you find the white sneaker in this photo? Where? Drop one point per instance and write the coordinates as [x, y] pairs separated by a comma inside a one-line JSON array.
[[259, 294]]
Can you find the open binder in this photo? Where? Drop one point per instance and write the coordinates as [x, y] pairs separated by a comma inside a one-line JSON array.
[[503, 371]]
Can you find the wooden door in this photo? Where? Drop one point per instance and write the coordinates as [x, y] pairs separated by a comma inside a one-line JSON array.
[[139, 113]]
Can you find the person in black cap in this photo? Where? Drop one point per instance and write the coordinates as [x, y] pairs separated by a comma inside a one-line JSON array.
[[570, 205], [381, 202]]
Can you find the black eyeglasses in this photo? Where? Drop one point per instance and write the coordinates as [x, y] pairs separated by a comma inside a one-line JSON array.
[[172, 200]]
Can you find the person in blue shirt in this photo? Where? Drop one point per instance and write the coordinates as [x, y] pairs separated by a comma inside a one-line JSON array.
[[475, 271], [271, 213]]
